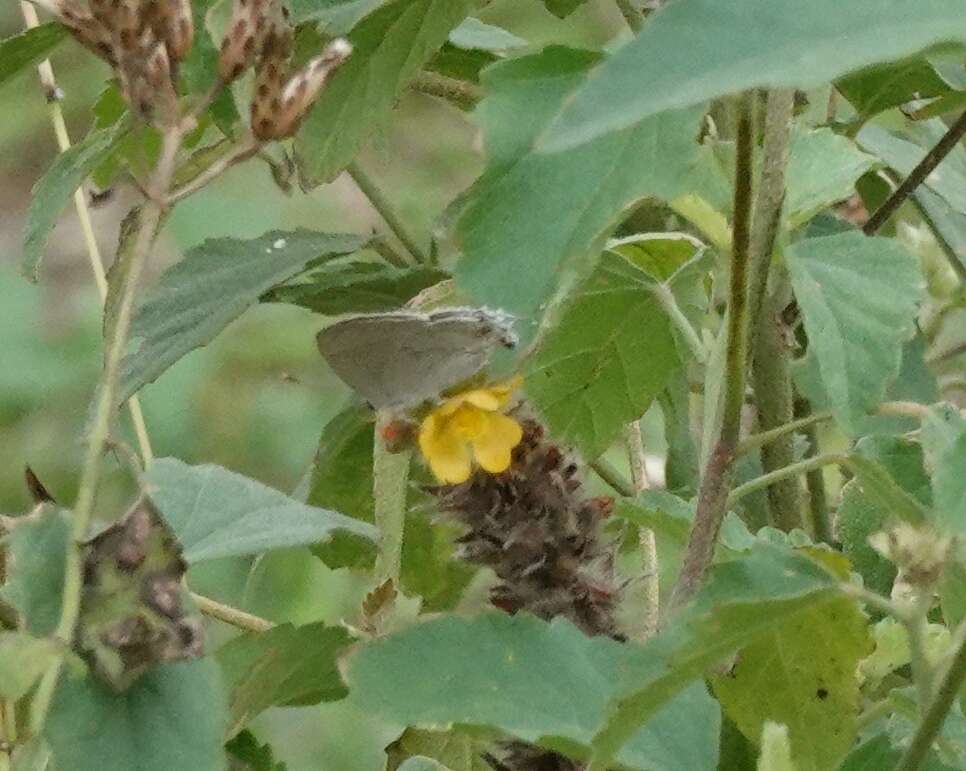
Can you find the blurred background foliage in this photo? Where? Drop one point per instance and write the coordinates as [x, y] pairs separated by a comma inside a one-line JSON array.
[[256, 399]]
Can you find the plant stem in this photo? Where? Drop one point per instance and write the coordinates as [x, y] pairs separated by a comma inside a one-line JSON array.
[[56, 114], [8, 733], [949, 251], [228, 614], [815, 480], [390, 477], [922, 673], [787, 472], [244, 150], [917, 176], [612, 477], [633, 17], [762, 438], [936, 713], [771, 358], [651, 589], [386, 210], [106, 404], [716, 480], [460, 93], [666, 298]]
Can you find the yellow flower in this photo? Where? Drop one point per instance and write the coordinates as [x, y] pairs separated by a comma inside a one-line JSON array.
[[470, 426]]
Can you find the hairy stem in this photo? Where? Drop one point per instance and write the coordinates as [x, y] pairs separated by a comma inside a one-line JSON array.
[[666, 298], [818, 510], [651, 590], [105, 405], [386, 210], [390, 477], [228, 614], [788, 472], [756, 441], [241, 152], [917, 176], [612, 477], [716, 480], [771, 358], [935, 715], [460, 93], [56, 114]]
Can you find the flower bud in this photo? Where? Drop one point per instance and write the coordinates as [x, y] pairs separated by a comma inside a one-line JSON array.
[[244, 38]]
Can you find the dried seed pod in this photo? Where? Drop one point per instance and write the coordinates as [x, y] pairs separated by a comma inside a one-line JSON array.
[[250, 20], [86, 29], [159, 77], [175, 26], [301, 91], [270, 76]]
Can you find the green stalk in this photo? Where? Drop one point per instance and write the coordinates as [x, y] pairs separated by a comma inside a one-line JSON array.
[[787, 472], [390, 477], [387, 211], [716, 480]]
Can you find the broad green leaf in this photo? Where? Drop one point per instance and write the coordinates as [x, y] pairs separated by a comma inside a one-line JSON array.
[[944, 438], [858, 298], [822, 169], [474, 34], [802, 674], [563, 8], [611, 352], [742, 600], [173, 717], [454, 749], [54, 189], [244, 747], [533, 216], [217, 513], [420, 763], [29, 47], [356, 287], [389, 48], [875, 89], [520, 675], [878, 753], [213, 285], [337, 17], [23, 659], [694, 50], [37, 548], [286, 665], [861, 513]]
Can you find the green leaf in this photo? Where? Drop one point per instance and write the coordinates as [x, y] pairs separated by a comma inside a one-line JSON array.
[[475, 35], [217, 513], [531, 214], [337, 17], [695, 50], [420, 763], [213, 285], [822, 169], [29, 47], [173, 717], [53, 191], [390, 47], [802, 674], [245, 748], [454, 749], [37, 548], [23, 659], [356, 287], [563, 8], [741, 600], [944, 438], [285, 665], [858, 298], [611, 352], [520, 675], [875, 89]]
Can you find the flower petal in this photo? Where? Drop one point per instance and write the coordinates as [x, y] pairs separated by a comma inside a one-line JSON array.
[[493, 445], [445, 449], [484, 398]]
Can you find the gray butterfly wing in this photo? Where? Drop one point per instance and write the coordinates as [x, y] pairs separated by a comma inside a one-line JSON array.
[[400, 359]]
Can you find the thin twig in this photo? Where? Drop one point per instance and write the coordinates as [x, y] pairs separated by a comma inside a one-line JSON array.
[[390, 476], [106, 403], [935, 715], [386, 210], [612, 477], [716, 480], [668, 302], [821, 527], [650, 579], [228, 614], [244, 150], [753, 442], [917, 176], [56, 114], [793, 470], [949, 251]]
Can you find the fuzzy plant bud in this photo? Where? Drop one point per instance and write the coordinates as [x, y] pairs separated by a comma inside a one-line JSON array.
[[250, 22], [282, 114], [270, 76], [174, 24], [85, 27], [919, 553]]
